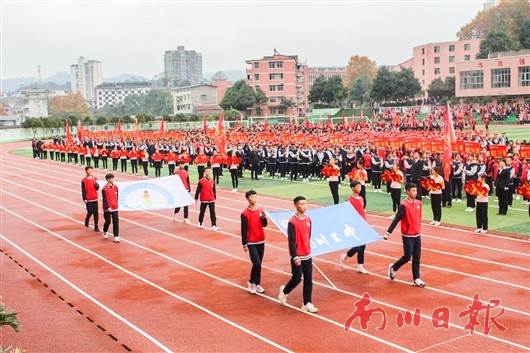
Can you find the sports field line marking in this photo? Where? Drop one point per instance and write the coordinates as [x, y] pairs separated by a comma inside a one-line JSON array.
[[441, 343], [130, 273], [385, 256], [323, 285], [374, 226], [76, 288], [69, 167]]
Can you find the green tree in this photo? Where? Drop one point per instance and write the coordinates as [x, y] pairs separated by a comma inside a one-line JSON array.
[[496, 41], [328, 91], [360, 89], [102, 120], [406, 86], [359, 66], [315, 95], [33, 123], [383, 87], [240, 97], [441, 89], [524, 35], [261, 98]]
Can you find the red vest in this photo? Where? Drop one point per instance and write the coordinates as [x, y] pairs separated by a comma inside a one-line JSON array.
[[358, 204], [183, 174], [411, 222], [302, 235], [255, 232]]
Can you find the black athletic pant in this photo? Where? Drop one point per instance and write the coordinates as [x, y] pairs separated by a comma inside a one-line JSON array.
[[92, 210], [115, 222], [202, 210], [359, 250], [234, 174], [305, 268], [411, 248], [396, 198], [186, 210], [482, 215], [436, 205], [256, 252], [334, 187]]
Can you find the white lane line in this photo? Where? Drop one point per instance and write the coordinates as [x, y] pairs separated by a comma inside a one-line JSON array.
[[317, 283], [132, 274], [79, 290]]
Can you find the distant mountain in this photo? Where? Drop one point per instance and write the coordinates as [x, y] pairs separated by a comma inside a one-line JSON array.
[[231, 75], [13, 84], [126, 78]]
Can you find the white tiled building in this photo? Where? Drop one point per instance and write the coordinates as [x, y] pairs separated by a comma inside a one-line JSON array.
[[84, 77], [191, 99], [110, 94]]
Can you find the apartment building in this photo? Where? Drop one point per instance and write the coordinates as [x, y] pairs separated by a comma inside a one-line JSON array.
[[182, 65], [111, 94], [505, 74], [438, 60], [84, 77], [195, 99]]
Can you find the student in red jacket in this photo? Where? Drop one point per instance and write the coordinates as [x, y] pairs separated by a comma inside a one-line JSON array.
[[299, 235], [206, 193], [253, 219], [358, 203], [109, 194], [409, 213], [89, 191], [185, 178]]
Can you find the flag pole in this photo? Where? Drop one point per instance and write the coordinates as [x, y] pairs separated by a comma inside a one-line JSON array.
[[325, 277]]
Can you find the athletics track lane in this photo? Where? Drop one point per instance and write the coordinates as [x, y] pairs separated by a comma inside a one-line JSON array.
[[275, 322]]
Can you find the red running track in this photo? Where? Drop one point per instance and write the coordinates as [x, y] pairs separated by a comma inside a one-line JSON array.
[[170, 286]]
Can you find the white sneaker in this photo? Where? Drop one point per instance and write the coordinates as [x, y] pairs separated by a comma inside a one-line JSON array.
[[282, 297], [469, 209], [259, 289], [175, 216], [199, 224], [361, 269], [478, 230], [459, 200], [517, 197], [343, 259], [234, 190], [251, 288], [432, 223], [186, 221], [391, 272], [216, 228], [482, 231], [105, 235], [419, 283], [309, 307], [116, 239], [437, 223]]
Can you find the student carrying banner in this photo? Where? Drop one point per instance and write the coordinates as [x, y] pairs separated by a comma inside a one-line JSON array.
[[358, 203], [409, 213], [299, 235], [206, 193], [185, 178]]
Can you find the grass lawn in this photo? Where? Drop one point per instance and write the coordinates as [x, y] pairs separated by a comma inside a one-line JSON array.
[[514, 132], [516, 222]]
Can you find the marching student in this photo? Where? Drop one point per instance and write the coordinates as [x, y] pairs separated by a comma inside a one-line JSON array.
[[409, 213], [299, 235], [185, 178], [482, 206], [89, 191], [206, 193], [253, 219], [436, 197], [358, 203], [109, 194]]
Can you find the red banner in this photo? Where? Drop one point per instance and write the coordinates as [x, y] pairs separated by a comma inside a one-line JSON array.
[[524, 151], [412, 144], [498, 151], [379, 142], [437, 146], [336, 138], [396, 142], [311, 140], [285, 137], [471, 147], [299, 138], [426, 146], [460, 146]]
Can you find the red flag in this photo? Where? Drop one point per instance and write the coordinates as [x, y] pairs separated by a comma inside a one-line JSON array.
[[320, 122], [219, 136], [373, 116], [290, 123], [79, 131], [162, 126], [343, 120], [307, 124], [449, 139], [204, 125], [328, 123], [137, 129], [352, 121], [119, 125], [68, 134], [296, 121], [265, 123]]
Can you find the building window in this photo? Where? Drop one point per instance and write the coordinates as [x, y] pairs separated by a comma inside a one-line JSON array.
[[256, 65], [280, 87], [451, 70], [467, 46], [256, 77], [271, 64], [423, 61], [436, 71], [451, 47], [436, 48], [423, 72], [272, 88], [203, 98], [279, 64], [271, 76], [423, 51], [472, 79], [467, 57], [500, 78], [451, 59], [524, 76], [436, 59]]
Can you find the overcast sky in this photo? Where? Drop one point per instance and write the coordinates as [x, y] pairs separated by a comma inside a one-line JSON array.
[[132, 36]]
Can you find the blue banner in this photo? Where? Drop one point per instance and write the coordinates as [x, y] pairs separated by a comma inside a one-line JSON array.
[[334, 228]]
